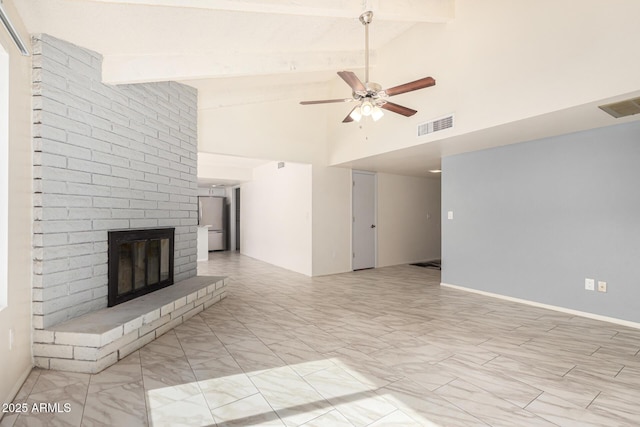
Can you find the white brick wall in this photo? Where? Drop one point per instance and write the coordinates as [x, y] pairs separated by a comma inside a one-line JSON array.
[[105, 157]]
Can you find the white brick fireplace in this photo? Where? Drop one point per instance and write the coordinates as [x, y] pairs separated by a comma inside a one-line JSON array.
[[105, 158]]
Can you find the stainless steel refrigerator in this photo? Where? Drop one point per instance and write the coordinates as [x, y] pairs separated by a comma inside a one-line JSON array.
[[211, 214]]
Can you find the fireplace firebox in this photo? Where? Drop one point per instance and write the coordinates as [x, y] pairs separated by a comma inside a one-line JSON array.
[[140, 261]]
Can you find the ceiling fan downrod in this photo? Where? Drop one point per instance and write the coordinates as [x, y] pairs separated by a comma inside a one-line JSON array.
[[366, 19]]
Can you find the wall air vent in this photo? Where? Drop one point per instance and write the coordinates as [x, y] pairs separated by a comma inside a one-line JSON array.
[[622, 108], [436, 125]]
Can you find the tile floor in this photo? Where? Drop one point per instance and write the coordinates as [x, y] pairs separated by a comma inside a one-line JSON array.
[[385, 347]]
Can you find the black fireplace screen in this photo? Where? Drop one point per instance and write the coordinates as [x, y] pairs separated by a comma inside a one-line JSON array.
[[140, 261]]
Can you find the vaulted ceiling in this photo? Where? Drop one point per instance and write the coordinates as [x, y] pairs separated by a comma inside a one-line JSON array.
[[242, 51], [512, 71], [300, 41]]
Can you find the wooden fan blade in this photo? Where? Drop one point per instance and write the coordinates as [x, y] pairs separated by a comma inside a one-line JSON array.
[[408, 87], [326, 101], [352, 80], [398, 109], [348, 118]]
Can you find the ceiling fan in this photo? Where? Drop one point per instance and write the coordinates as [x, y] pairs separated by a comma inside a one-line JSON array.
[[370, 96]]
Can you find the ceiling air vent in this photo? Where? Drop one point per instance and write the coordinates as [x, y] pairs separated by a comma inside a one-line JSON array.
[[622, 108], [442, 123]]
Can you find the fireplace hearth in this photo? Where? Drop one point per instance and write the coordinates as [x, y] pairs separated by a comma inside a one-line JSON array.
[[140, 262]]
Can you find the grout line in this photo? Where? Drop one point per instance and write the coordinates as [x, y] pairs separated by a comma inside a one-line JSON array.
[[618, 373], [574, 366], [533, 400], [593, 400], [86, 396]]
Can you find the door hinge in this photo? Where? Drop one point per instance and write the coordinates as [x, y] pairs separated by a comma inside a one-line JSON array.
[[354, 254], [354, 183], [354, 219]]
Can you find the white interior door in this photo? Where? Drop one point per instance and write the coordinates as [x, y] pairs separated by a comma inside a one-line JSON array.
[[364, 220]]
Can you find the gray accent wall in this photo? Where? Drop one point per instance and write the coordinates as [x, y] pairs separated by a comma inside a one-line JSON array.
[[105, 157], [533, 220]]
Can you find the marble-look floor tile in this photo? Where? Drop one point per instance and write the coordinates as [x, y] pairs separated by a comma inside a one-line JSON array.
[[617, 406], [69, 403], [197, 357], [189, 412], [364, 368], [194, 326], [122, 405], [167, 383], [162, 350], [252, 410], [396, 419], [319, 340], [362, 409], [332, 418], [228, 389], [487, 407], [564, 388], [302, 358], [55, 380], [424, 353], [492, 381], [28, 385], [335, 382], [126, 371], [65, 391], [216, 368], [293, 399], [9, 419], [563, 413], [229, 335], [270, 334], [425, 406], [254, 356]]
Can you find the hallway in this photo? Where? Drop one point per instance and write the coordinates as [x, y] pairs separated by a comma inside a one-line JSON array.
[[370, 348]]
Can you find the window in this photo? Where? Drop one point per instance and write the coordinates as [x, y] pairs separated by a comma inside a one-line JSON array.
[[4, 174]]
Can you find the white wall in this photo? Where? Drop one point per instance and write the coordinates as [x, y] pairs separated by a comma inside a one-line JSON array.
[[16, 363], [331, 220], [499, 61], [408, 219], [275, 222]]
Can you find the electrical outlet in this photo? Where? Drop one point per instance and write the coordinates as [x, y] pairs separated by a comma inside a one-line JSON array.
[[590, 284], [602, 286], [450, 215]]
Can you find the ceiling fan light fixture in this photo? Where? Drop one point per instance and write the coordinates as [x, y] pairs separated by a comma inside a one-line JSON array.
[[376, 113], [366, 108], [355, 114]]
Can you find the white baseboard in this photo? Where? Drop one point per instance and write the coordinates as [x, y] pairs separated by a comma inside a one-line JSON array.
[[547, 306]]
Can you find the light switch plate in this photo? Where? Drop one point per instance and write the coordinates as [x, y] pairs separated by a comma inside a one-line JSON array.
[[602, 286], [590, 284], [450, 215]]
